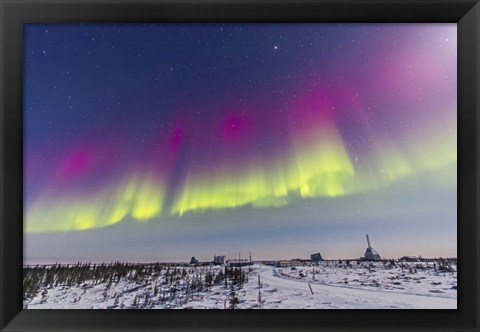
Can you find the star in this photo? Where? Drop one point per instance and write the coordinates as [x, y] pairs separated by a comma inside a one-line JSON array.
[[275, 47]]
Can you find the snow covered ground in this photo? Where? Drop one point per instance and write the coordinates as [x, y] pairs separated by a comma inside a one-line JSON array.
[[326, 286]]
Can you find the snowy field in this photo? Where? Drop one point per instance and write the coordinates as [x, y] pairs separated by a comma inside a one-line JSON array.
[[330, 285]]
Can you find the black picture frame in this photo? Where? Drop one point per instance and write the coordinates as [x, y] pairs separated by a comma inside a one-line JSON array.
[[14, 13]]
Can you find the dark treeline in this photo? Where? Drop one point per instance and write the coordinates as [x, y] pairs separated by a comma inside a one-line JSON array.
[[162, 282], [70, 275]]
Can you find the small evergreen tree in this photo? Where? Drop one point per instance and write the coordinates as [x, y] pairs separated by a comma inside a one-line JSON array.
[[117, 300], [233, 299], [208, 280], [219, 278]]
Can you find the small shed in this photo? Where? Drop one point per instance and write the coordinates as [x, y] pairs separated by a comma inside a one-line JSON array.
[[193, 260], [317, 257]]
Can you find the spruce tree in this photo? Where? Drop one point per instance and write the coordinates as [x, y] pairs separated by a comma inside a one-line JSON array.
[[233, 298]]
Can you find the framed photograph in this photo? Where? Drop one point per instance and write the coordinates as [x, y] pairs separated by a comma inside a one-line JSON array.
[[244, 160]]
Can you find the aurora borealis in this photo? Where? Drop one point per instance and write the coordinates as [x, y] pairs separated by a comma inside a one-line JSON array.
[[158, 131]]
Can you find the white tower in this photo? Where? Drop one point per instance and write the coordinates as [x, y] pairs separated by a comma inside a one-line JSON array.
[[371, 254]]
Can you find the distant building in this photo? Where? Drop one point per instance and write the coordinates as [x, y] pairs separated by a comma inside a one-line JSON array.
[[410, 259], [194, 260], [269, 263], [316, 257], [238, 262], [218, 260], [289, 263], [370, 254]]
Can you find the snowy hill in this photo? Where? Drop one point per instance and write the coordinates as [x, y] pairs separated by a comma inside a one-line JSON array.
[[329, 285]]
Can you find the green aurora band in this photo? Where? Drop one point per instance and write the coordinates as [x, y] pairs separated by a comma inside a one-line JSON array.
[[319, 166]]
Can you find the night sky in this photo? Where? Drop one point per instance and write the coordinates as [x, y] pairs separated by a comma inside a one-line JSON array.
[[153, 142]]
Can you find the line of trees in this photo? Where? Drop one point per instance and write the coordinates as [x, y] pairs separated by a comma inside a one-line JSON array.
[[81, 274], [159, 283]]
